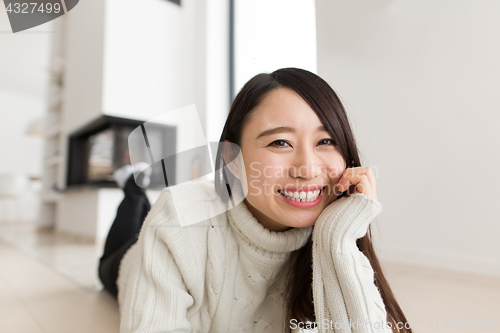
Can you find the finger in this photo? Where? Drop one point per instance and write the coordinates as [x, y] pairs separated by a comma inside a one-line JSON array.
[[351, 176], [362, 176], [343, 184], [364, 187], [350, 190], [371, 178]]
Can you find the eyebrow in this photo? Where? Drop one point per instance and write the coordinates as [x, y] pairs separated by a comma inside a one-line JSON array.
[[284, 129]]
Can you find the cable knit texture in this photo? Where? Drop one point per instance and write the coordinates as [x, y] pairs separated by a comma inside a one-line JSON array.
[[344, 292], [228, 273]]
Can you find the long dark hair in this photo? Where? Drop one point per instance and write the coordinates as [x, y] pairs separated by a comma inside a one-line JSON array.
[[327, 106]]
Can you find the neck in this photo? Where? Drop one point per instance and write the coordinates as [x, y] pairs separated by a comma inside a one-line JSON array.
[[266, 222]]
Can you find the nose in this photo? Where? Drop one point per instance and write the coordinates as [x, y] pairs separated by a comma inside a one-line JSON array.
[[305, 165]]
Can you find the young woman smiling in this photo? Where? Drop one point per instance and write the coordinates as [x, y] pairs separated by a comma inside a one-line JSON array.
[[296, 249]]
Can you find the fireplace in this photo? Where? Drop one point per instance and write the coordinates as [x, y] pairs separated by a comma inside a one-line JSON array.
[[97, 149]]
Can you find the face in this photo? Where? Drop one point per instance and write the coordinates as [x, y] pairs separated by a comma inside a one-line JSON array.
[[291, 162]]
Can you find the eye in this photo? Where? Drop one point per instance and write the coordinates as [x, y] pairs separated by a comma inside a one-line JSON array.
[[279, 144], [326, 142]]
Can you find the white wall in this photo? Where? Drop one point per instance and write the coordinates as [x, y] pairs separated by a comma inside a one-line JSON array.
[[24, 71], [420, 81], [24, 57], [78, 212], [18, 151], [148, 60], [161, 57], [217, 67], [24, 64], [84, 48], [273, 34]]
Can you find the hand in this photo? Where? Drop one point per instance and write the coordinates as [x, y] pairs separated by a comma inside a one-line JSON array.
[[358, 180]]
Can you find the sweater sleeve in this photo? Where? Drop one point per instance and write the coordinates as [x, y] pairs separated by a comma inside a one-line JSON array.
[[346, 298], [153, 295]]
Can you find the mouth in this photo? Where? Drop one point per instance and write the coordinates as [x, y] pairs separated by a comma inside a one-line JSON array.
[[302, 199], [301, 196]]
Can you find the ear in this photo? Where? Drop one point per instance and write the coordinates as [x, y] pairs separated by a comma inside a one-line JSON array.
[[230, 154]]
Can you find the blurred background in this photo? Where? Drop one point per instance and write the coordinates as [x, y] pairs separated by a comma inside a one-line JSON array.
[[419, 79]]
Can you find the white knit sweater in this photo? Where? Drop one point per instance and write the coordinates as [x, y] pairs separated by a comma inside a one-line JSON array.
[[228, 273]]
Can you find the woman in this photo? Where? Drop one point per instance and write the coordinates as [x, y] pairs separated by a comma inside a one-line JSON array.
[[293, 252]]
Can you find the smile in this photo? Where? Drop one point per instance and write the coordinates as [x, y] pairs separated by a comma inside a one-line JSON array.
[[301, 196], [302, 199]]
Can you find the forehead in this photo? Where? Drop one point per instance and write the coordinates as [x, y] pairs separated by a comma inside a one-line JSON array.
[[283, 107]]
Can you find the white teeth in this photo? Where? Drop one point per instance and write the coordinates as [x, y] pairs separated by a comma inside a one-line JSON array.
[[302, 196]]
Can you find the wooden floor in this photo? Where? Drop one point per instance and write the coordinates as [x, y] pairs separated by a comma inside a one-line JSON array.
[[48, 283], [34, 298]]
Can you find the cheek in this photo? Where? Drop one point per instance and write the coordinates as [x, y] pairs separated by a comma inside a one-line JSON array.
[[264, 175], [335, 167], [261, 174]]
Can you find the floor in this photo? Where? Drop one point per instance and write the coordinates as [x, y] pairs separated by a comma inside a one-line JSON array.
[[40, 293], [48, 283]]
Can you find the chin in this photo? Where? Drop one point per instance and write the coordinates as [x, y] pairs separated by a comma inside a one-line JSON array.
[[305, 223], [301, 226]]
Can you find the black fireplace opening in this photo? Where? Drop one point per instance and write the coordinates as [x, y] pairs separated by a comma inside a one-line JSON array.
[[97, 149]]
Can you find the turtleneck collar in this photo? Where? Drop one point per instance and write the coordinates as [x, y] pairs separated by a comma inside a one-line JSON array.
[[247, 226]]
